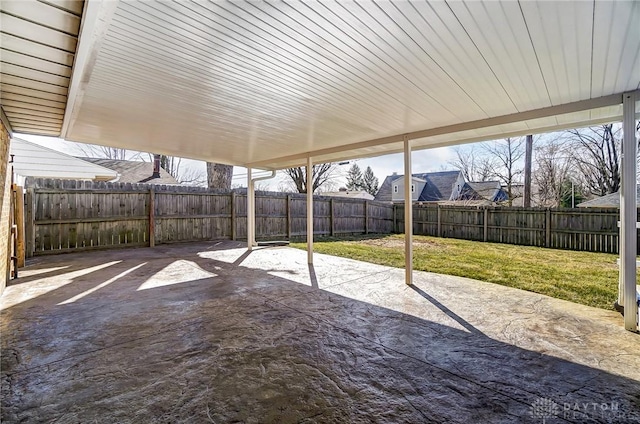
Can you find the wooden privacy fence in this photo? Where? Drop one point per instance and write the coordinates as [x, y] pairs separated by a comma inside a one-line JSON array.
[[64, 216], [593, 230]]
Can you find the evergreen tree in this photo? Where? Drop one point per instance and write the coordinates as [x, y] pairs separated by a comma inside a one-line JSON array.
[[370, 182], [354, 178], [571, 194]]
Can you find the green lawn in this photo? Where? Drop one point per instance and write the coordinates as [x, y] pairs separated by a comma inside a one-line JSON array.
[[581, 277]]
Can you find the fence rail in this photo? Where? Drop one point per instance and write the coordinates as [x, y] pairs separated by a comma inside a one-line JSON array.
[[68, 215], [65, 216], [593, 230]]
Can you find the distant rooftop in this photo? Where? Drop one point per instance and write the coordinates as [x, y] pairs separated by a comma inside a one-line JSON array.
[[483, 190], [34, 160], [439, 186], [608, 201], [133, 171]]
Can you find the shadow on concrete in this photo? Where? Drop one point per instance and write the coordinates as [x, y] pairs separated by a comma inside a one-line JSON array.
[[242, 258], [448, 312], [211, 341], [313, 278]]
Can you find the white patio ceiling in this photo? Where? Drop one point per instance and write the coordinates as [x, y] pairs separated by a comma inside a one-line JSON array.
[[267, 84]]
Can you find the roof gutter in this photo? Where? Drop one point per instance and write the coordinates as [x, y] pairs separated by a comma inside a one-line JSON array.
[[267, 177]]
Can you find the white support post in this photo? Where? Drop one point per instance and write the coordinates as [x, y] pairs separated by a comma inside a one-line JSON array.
[[251, 211], [310, 210], [408, 214], [628, 211]]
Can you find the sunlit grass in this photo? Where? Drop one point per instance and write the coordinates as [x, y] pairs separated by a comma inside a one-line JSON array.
[[581, 277]]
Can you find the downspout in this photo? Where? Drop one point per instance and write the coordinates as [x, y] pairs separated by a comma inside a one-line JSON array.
[[267, 177], [251, 210]]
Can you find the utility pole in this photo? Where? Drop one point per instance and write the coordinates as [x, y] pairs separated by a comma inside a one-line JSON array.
[[527, 171]]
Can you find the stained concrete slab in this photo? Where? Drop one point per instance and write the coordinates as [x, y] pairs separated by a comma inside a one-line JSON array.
[[211, 333]]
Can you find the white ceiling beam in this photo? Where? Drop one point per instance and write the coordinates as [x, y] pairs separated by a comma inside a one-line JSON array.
[[579, 106], [500, 134]]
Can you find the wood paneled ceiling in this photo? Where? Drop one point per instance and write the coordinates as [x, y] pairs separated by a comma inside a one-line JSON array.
[[38, 41]]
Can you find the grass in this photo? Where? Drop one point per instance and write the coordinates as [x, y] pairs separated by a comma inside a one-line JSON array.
[[582, 277]]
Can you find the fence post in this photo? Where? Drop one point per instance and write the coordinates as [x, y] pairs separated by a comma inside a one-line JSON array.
[[439, 221], [332, 217], [486, 223], [395, 222], [547, 228], [233, 215], [30, 223], [366, 216], [289, 216], [152, 218], [19, 220]]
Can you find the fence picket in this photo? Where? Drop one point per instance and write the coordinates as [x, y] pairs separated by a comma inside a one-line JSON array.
[[593, 230], [67, 216]]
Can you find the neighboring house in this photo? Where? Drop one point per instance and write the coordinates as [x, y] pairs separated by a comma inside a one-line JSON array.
[[33, 160], [488, 191], [426, 187], [130, 171], [608, 201], [352, 194], [517, 194]]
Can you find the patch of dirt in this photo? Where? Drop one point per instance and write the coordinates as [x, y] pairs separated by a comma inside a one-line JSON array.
[[398, 243]]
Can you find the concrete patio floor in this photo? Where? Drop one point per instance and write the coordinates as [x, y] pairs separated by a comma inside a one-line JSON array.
[[210, 333]]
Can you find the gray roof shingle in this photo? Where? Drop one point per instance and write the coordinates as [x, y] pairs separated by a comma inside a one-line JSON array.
[[133, 171], [439, 186], [608, 201], [483, 190]]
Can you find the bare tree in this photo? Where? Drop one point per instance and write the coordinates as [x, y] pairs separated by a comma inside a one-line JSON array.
[[527, 171], [219, 175], [176, 168], [172, 164], [473, 162], [322, 174], [105, 152], [553, 170], [286, 186], [184, 175], [507, 163], [596, 151], [262, 186]]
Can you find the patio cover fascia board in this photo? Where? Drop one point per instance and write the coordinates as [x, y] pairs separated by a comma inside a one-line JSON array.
[[96, 17], [351, 151]]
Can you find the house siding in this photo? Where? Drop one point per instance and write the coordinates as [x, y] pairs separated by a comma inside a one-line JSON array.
[[457, 188], [33, 160], [439, 186], [399, 196]]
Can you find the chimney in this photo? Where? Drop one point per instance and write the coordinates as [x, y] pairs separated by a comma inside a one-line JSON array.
[[395, 173], [156, 166]]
